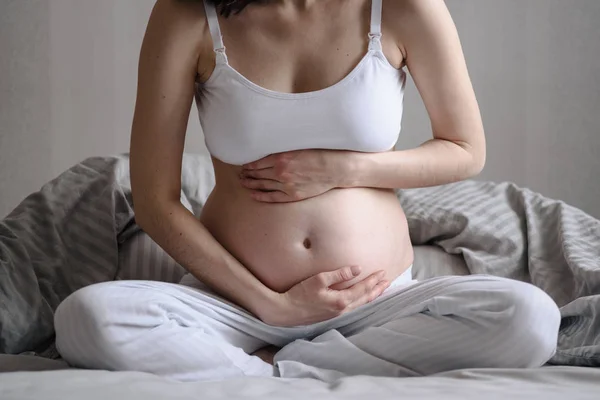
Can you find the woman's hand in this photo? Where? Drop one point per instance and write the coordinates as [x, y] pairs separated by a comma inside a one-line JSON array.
[[313, 300], [295, 175]]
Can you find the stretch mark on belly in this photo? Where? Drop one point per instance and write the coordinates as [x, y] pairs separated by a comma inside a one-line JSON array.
[[307, 243]]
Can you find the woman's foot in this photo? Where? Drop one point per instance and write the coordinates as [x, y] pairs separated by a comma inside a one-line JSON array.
[[266, 353]]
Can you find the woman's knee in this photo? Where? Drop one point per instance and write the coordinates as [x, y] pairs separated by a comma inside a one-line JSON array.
[[85, 327], [139, 326], [527, 330]]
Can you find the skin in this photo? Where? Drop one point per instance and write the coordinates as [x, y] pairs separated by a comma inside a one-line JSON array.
[[342, 202]]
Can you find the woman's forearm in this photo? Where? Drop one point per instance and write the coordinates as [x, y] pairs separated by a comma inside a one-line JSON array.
[[435, 162], [183, 237]]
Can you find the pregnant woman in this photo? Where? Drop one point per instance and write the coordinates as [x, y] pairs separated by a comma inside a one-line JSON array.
[[302, 249]]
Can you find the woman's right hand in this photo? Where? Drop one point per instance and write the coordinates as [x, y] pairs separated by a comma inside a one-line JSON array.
[[313, 300]]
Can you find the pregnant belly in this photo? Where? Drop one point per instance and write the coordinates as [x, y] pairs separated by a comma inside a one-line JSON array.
[[285, 243]]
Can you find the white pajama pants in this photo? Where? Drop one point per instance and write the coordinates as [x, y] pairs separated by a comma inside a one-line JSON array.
[[186, 332]]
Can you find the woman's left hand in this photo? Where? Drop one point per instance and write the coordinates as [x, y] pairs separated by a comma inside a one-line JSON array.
[[295, 175]]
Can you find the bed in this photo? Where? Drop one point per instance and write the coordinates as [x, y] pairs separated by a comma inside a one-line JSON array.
[[80, 229]]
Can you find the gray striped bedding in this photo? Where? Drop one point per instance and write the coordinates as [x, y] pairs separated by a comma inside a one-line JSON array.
[[79, 229]]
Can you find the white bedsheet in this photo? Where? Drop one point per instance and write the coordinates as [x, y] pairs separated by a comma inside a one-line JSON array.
[[564, 383]]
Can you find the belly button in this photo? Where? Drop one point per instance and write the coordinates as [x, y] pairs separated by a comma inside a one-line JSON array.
[[307, 243]]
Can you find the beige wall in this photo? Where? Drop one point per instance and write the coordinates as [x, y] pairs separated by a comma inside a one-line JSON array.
[[68, 77]]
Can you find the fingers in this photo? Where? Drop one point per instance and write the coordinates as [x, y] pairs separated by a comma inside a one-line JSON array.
[[261, 184], [364, 291], [277, 160], [330, 278], [369, 296], [267, 162], [271, 197], [267, 173]]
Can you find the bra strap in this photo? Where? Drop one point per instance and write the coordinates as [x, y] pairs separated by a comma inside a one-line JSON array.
[[215, 31], [375, 33]]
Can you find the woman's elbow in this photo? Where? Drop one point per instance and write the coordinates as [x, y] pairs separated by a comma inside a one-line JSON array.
[[475, 157], [478, 159], [148, 209], [143, 211]]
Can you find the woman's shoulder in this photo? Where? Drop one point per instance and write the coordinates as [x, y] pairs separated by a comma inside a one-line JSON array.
[[414, 6], [407, 19], [406, 13], [178, 28], [180, 16]]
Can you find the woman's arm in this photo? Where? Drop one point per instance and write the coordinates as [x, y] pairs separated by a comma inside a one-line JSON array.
[[428, 38], [167, 72]]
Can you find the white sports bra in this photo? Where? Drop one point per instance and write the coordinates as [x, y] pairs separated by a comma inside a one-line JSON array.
[[243, 122]]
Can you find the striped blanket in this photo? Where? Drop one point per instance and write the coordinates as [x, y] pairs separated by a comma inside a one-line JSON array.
[[73, 231]]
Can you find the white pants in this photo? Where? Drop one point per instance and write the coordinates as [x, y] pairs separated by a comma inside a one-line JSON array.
[[188, 333]]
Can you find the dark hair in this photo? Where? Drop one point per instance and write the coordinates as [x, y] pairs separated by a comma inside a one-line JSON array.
[[227, 7]]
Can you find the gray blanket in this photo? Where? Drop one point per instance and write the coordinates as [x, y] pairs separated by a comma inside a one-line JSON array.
[[68, 235]]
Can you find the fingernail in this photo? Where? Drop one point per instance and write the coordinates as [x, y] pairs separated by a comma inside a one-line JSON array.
[[355, 270]]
